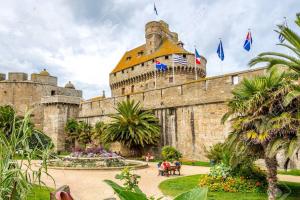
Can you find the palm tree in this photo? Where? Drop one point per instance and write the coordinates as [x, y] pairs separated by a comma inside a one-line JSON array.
[[293, 45], [261, 124], [71, 130], [283, 60], [98, 131], [85, 133], [132, 126]]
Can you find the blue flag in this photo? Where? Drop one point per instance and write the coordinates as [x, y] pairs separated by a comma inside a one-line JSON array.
[[155, 10], [248, 41], [220, 51], [160, 66]]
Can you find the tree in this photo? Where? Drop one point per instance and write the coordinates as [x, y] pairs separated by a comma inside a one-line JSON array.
[[293, 45], [98, 131], [85, 133], [262, 125], [132, 126], [71, 130]]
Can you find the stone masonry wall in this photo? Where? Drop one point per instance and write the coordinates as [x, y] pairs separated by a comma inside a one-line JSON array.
[[189, 114]]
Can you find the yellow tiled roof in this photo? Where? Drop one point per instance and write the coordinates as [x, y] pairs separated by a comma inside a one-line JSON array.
[[168, 47]]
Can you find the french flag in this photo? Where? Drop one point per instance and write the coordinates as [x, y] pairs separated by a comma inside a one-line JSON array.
[[197, 57]]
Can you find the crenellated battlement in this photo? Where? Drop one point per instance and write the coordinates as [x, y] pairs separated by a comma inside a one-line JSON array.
[[203, 91]]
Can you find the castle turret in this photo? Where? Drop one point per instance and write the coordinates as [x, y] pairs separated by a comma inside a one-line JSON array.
[[153, 35]]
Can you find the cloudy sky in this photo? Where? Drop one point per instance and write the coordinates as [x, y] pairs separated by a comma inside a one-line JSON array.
[[82, 40]]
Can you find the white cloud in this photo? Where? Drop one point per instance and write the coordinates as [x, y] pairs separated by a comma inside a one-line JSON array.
[[82, 40]]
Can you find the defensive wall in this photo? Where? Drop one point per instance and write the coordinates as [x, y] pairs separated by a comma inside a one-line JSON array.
[[189, 114]]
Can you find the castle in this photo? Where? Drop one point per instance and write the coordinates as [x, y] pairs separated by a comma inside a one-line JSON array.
[[189, 109]]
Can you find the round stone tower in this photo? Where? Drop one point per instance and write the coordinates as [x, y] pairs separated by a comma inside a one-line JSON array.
[[153, 35]]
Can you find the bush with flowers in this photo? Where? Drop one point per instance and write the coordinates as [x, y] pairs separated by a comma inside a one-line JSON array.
[[223, 178]]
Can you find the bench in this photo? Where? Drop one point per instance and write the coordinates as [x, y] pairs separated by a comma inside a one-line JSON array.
[[171, 170]]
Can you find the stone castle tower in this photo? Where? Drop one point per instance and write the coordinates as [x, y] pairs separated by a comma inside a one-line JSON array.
[[136, 70], [51, 105]]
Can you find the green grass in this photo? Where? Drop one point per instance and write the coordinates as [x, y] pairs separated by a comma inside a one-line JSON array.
[[176, 186], [196, 163], [294, 172], [40, 193]]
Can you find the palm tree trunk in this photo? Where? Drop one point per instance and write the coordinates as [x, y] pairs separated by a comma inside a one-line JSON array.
[[271, 164]]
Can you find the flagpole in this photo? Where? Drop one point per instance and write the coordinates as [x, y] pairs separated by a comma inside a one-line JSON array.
[[155, 74], [173, 71], [195, 65]]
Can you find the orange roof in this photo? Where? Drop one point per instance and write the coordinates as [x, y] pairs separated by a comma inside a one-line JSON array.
[[168, 47]]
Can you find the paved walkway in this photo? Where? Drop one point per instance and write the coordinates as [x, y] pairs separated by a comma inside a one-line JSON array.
[[89, 185]]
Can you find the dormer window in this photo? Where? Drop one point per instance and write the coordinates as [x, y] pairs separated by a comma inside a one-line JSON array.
[[128, 58], [140, 53]]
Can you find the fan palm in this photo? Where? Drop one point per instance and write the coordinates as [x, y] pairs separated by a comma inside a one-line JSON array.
[[132, 126], [262, 125], [85, 133], [71, 130], [98, 131]]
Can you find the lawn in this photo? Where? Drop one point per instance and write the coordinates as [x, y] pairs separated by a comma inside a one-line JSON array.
[[197, 163], [176, 186], [40, 193], [294, 172]]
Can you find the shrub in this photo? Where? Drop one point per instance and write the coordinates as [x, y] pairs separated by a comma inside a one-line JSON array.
[[218, 153], [170, 153], [232, 184], [220, 170]]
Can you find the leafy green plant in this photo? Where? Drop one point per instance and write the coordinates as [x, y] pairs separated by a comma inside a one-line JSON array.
[[72, 131], [220, 170], [218, 153], [132, 127], [137, 194], [98, 131], [131, 180], [85, 133], [170, 153], [18, 176]]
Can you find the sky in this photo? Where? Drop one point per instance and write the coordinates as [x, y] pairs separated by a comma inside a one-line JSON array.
[[83, 40]]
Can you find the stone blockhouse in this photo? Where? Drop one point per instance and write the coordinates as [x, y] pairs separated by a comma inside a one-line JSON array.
[[50, 104]]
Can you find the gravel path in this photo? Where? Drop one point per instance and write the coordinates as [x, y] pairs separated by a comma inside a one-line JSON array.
[[89, 185]]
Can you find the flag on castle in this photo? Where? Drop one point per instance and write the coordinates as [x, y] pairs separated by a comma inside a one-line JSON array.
[[155, 10], [248, 41], [197, 57], [160, 66], [220, 51], [179, 59]]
